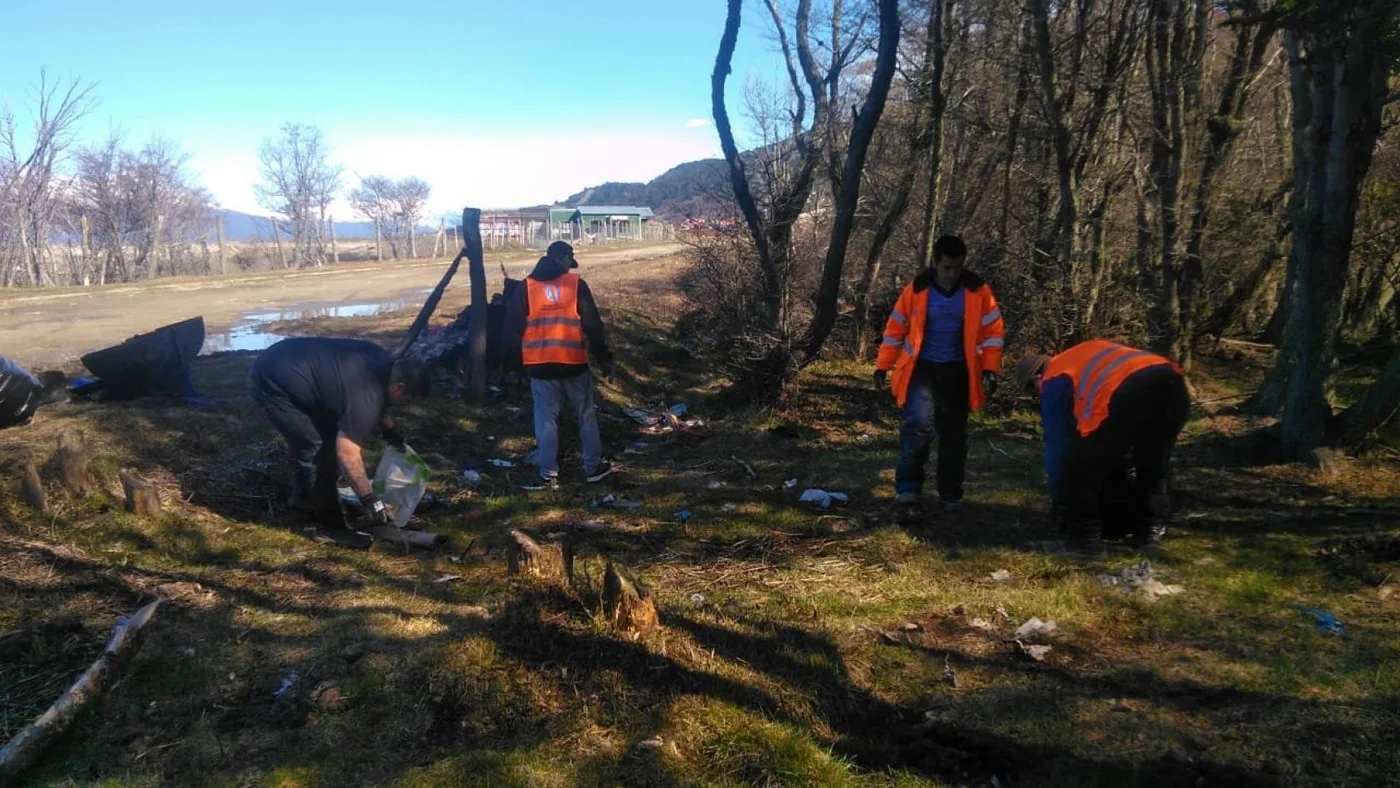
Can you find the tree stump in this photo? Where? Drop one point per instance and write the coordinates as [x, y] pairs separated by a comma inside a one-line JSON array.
[[141, 496], [73, 463], [627, 602], [31, 488], [529, 557]]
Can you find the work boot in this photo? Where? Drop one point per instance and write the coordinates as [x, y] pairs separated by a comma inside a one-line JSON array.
[[542, 483], [1086, 539], [603, 471], [949, 505], [908, 499]]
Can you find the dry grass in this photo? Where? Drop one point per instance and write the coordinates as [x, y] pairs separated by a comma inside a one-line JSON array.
[[799, 646]]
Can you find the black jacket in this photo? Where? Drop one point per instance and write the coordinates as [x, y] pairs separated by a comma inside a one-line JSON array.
[[518, 311]]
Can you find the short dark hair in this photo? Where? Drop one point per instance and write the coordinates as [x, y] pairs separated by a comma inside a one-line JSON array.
[[412, 374], [949, 246]]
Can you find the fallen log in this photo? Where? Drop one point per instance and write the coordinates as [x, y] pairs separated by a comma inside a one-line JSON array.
[[627, 603], [141, 496], [73, 463], [24, 749], [31, 488], [530, 557], [405, 537]]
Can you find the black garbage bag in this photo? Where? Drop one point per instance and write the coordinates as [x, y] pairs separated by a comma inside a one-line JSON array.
[[20, 394], [147, 365]]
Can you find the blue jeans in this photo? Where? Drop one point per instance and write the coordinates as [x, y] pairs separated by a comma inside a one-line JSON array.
[[936, 408], [549, 396]]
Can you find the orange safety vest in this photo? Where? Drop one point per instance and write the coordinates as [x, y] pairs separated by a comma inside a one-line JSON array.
[[1097, 368], [983, 339], [553, 330]]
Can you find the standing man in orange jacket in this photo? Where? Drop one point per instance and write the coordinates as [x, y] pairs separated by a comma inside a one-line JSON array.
[[944, 342], [1106, 407], [554, 327]]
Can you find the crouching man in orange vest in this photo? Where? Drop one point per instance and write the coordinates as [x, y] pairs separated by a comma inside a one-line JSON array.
[[1107, 408], [943, 341], [554, 328]]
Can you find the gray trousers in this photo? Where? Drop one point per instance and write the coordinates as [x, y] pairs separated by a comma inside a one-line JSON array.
[[549, 396]]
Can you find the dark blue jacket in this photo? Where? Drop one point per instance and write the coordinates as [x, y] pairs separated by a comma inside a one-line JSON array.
[[1057, 419]]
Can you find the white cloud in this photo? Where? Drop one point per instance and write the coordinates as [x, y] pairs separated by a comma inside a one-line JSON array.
[[698, 123], [485, 171]]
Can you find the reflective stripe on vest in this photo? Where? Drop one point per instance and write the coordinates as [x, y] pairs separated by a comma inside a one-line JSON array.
[[1096, 369], [553, 329]]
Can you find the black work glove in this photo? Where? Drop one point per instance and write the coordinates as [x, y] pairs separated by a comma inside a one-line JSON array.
[[394, 438], [989, 384], [379, 513], [881, 377]]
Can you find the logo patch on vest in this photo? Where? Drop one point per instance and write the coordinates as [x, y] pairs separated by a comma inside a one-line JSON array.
[[552, 293]]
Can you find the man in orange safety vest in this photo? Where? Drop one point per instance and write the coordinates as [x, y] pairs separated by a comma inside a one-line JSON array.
[[1111, 416], [943, 341], [555, 329]]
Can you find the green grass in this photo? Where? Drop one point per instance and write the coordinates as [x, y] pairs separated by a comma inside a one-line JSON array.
[[799, 646]]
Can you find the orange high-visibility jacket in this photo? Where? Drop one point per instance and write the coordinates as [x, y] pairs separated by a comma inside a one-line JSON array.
[[1096, 369], [553, 329], [983, 336]]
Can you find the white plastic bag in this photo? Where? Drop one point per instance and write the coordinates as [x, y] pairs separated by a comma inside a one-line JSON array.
[[400, 481]]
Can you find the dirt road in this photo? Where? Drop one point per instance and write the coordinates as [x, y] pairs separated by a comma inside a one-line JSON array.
[[49, 328]]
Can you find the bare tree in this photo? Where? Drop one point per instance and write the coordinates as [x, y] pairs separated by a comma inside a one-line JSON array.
[[397, 207], [299, 182], [29, 167]]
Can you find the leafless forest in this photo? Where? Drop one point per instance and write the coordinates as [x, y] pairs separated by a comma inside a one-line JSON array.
[[1167, 172], [75, 214]]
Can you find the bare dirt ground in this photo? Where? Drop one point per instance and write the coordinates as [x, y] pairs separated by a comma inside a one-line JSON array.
[[51, 327]]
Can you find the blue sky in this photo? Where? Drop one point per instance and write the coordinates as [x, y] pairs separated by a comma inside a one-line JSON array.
[[497, 104]]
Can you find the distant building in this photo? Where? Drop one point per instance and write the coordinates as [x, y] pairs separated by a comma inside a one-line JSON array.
[[537, 227]]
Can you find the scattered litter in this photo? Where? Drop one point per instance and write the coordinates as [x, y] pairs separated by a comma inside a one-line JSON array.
[[748, 469], [949, 677], [1327, 624], [1207, 561], [1035, 627], [1001, 575], [496, 392], [731, 507], [641, 417], [910, 626], [471, 476], [456, 559], [683, 515], [823, 498], [654, 743], [982, 624], [863, 438], [789, 484], [1142, 578], [288, 682], [1155, 589], [604, 501], [401, 481], [716, 484], [679, 409], [447, 578], [1001, 611], [697, 599], [490, 437], [1033, 653], [502, 463]]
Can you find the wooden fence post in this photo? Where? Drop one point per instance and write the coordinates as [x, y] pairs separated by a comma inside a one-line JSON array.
[[471, 235], [219, 235]]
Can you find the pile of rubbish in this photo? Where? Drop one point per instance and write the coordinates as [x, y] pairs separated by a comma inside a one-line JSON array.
[[451, 344], [668, 421], [1141, 578]]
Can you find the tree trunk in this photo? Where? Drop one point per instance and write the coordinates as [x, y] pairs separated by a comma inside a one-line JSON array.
[[277, 236], [936, 54], [857, 149], [335, 250], [1338, 97], [1377, 406], [378, 242]]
